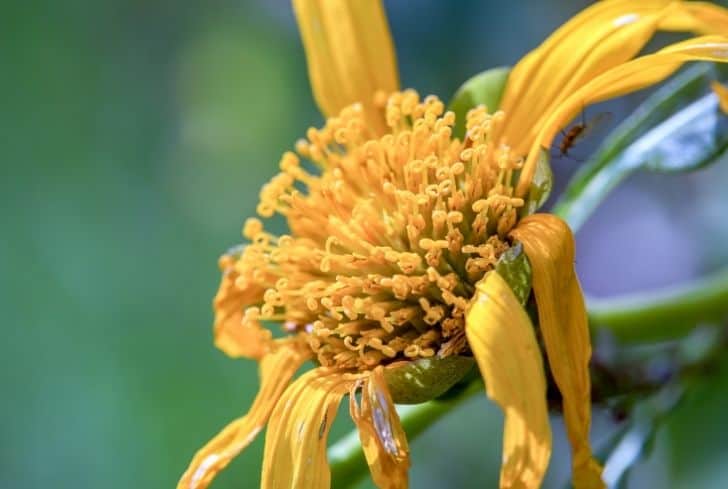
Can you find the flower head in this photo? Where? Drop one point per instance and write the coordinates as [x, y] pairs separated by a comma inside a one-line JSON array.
[[397, 228], [389, 234]]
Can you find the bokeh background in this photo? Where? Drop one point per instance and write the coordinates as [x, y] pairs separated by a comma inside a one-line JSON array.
[[134, 136]]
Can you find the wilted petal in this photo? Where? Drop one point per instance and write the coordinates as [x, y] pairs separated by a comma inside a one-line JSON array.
[[503, 342], [382, 438], [233, 336], [276, 370], [549, 245], [349, 52], [295, 443]]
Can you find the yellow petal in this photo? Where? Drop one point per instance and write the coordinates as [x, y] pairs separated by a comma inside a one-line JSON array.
[[503, 342], [235, 338], [722, 92], [698, 17], [599, 38], [631, 76], [350, 54], [276, 370], [382, 438], [295, 444], [549, 245]]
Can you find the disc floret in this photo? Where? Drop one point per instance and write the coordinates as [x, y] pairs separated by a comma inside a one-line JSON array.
[[388, 233]]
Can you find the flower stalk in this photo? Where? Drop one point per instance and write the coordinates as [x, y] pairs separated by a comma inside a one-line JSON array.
[[662, 315]]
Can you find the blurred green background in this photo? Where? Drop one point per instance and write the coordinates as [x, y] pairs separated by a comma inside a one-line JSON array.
[[134, 138]]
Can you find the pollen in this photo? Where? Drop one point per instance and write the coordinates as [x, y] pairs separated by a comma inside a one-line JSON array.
[[388, 233]]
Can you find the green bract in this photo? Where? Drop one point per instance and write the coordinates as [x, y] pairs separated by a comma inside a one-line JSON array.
[[513, 266], [427, 378], [541, 185]]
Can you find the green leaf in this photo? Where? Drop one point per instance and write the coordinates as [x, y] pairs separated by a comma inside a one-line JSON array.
[[655, 137], [636, 442], [697, 430], [485, 88]]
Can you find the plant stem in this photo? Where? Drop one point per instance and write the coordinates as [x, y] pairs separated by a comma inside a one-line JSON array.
[[346, 458], [662, 315]]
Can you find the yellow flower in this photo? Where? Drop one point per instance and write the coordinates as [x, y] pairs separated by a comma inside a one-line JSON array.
[[395, 231]]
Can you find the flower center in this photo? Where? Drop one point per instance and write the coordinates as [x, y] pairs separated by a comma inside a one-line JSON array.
[[388, 233]]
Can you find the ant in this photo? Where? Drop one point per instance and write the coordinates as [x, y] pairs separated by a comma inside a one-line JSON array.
[[578, 131]]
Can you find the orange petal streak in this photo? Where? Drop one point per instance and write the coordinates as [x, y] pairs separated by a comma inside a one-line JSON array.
[[276, 370], [549, 245]]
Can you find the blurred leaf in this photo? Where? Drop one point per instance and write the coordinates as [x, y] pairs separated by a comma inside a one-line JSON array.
[[690, 139], [485, 88], [685, 140], [637, 440], [698, 432]]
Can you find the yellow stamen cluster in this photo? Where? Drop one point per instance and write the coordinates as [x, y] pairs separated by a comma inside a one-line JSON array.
[[389, 233]]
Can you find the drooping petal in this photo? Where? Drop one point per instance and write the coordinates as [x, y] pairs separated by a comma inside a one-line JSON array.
[[295, 443], [383, 439], [350, 54], [234, 336], [549, 245], [594, 41], [722, 92], [504, 344], [634, 75], [276, 370]]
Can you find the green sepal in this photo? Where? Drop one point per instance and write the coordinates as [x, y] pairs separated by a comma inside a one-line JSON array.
[[656, 137], [427, 378], [485, 88], [541, 185], [514, 267]]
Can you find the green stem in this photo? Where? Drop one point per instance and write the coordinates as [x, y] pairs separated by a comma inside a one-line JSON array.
[[662, 315], [346, 458]]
